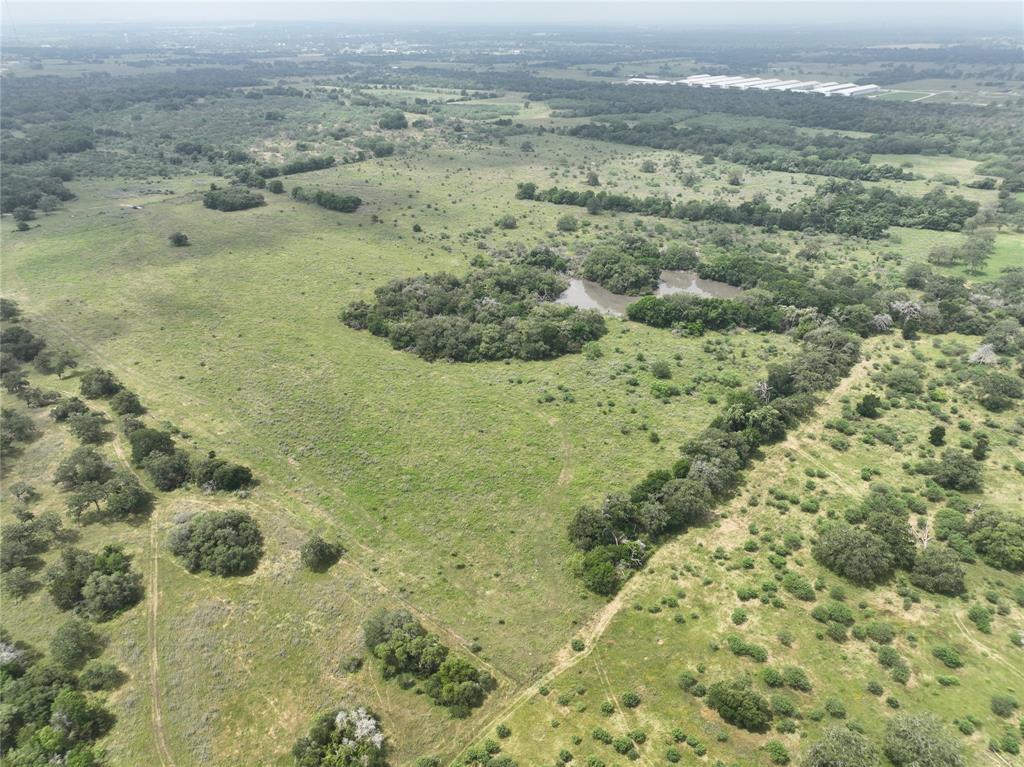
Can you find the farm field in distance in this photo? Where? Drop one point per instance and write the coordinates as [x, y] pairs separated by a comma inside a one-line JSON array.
[[312, 455]]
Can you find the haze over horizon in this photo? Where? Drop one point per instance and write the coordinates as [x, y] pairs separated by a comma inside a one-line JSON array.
[[1004, 18]]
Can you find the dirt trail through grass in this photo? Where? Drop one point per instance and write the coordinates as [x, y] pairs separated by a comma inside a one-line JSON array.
[[153, 610]]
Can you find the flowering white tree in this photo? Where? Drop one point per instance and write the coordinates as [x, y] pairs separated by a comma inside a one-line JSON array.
[[344, 738], [985, 355]]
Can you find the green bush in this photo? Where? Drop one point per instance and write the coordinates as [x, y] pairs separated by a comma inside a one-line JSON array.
[[796, 678], [318, 555], [949, 657], [219, 542], [776, 752], [739, 705], [1003, 705], [630, 699]]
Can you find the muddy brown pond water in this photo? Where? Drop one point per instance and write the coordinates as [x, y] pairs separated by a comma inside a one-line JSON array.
[[585, 294]]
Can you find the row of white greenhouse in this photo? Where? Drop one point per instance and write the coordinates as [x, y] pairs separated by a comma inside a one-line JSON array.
[[743, 83]]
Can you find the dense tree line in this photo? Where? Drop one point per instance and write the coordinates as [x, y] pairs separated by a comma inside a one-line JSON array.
[[617, 537], [46, 98], [232, 198], [499, 312], [45, 143], [406, 651], [302, 165], [898, 127], [43, 191], [343, 203], [842, 207], [765, 147]]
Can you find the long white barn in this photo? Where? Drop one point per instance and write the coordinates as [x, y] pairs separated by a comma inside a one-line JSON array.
[[745, 83]]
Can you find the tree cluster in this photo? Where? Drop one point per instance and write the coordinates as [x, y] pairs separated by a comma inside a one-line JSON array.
[[406, 650], [232, 198], [222, 543], [499, 312], [343, 203], [50, 716], [98, 585]]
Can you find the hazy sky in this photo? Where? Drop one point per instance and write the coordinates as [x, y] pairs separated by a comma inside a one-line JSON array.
[[1007, 17]]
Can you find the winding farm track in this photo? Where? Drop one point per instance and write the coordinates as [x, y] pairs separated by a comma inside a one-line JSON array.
[[599, 622]]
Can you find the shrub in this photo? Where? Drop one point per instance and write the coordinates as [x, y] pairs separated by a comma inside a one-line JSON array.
[[981, 617], [739, 705], [835, 708], [101, 675], [219, 542], [630, 699], [776, 752], [739, 646], [883, 633], [796, 678], [949, 657], [1003, 705], [318, 555], [798, 586], [833, 612], [888, 657]]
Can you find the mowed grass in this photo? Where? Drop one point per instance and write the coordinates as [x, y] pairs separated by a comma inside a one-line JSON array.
[[917, 243], [650, 642], [450, 485]]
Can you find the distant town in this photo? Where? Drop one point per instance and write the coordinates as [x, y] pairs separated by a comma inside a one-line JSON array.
[[745, 83]]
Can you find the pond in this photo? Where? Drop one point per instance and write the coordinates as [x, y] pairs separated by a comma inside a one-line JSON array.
[[585, 294]]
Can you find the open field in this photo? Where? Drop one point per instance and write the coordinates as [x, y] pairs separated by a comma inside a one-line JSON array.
[[452, 486]]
